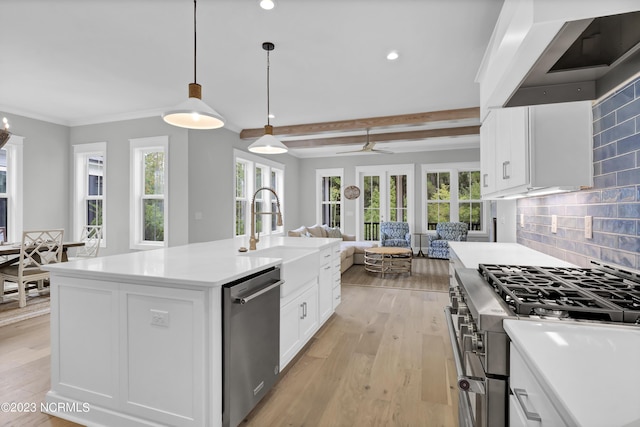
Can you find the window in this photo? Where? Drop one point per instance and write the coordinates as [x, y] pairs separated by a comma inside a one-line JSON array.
[[438, 198], [452, 193], [251, 173], [90, 188], [4, 196], [149, 192], [329, 197], [242, 200], [11, 190], [470, 205]]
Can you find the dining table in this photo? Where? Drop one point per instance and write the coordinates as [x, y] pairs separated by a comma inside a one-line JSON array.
[[8, 249]]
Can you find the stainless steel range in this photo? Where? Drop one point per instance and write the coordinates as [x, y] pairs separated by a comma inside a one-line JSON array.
[[481, 299]]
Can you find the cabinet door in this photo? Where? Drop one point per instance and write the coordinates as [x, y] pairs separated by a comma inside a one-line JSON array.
[[337, 290], [516, 416], [309, 318], [536, 406], [290, 317], [512, 147], [488, 154], [325, 285]]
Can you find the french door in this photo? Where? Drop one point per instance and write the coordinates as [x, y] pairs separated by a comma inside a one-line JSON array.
[[386, 195]]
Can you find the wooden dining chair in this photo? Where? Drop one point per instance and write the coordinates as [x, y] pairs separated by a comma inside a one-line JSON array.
[[92, 237], [38, 248]]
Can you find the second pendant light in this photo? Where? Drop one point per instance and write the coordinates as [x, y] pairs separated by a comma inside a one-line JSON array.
[[268, 144]]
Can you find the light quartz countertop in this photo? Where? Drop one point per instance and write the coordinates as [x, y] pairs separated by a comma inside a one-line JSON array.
[[197, 265], [473, 253], [590, 371]]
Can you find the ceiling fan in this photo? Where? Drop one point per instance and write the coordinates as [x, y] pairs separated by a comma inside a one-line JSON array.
[[368, 147]]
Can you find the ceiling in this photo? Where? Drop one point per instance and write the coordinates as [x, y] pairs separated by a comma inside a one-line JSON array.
[[82, 62]]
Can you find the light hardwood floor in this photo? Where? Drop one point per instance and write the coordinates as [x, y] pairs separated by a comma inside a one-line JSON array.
[[383, 359]]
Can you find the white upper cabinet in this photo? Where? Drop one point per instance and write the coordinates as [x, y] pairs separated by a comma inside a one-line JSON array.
[[536, 150]]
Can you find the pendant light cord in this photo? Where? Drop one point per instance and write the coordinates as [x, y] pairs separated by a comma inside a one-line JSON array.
[[268, 110], [195, 42]]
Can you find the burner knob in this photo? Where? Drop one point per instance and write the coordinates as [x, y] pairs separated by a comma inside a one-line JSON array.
[[463, 309], [476, 342]]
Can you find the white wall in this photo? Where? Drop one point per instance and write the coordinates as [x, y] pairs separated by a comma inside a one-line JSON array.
[[46, 173]]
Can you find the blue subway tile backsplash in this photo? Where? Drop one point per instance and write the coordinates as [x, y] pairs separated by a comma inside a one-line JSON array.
[[613, 202], [618, 132], [619, 163]]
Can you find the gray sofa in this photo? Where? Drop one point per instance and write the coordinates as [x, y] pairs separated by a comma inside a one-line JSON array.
[[351, 251]]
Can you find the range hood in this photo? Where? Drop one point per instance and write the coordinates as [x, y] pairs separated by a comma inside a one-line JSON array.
[[586, 59]]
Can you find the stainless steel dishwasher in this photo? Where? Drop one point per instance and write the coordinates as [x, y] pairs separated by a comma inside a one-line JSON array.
[[251, 342]]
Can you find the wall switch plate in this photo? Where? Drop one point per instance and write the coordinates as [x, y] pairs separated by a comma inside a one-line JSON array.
[[554, 223], [522, 220], [588, 227], [160, 318], [197, 215]]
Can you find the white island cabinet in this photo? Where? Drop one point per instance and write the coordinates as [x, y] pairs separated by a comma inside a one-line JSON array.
[[136, 338]]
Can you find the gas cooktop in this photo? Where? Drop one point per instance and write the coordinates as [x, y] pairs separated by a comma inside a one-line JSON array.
[[605, 293]]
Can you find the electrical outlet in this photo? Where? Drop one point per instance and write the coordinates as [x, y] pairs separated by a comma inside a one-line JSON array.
[[554, 223], [160, 318], [522, 220], [588, 227]]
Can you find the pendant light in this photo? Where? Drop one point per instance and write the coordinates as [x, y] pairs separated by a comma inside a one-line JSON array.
[[268, 144], [4, 132], [194, 113]]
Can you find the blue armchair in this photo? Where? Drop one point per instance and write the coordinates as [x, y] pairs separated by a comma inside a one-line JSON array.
[[446, 232], [395, 234]]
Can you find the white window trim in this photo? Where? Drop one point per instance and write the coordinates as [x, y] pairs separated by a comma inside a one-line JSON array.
[[137, 146], [251, 160], [15, 158], [80, 153], [321, 173], [453, 168]]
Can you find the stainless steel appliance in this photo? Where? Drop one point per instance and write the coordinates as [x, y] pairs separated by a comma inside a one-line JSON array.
[[251, 342], [481, 299]]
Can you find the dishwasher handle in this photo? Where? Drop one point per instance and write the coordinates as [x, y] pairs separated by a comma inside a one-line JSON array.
[[248, 298]]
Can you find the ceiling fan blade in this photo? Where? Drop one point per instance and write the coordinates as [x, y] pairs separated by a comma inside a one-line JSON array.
[[374, 150], [353, 151]]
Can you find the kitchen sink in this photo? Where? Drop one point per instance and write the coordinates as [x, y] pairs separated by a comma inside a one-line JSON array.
[[299, 265]]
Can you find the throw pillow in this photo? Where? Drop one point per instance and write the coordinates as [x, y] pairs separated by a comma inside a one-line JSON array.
[[317, 231], [298, 232], [334, 233]]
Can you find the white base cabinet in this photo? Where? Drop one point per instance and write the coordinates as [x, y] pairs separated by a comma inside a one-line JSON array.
[[305, 311], [298, 322], [135, 354], [526, 150], [325, 284], [337, 277], [529, 406]]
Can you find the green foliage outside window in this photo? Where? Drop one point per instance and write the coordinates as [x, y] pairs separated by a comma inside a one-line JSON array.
[[469, 189], [154, 185], [331, 196]]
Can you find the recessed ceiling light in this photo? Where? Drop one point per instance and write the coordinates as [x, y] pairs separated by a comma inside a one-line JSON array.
[[267, 4], [272, 116], [393, 55]]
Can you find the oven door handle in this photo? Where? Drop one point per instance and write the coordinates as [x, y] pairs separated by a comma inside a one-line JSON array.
[[465, 382]]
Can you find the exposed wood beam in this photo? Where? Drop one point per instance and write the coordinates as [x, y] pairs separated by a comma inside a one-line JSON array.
[[383, 137], [371, 122]]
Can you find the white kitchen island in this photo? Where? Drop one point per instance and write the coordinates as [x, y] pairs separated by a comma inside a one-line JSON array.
[[136, 338]]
